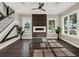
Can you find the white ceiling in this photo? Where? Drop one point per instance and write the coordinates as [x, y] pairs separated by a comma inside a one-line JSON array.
[[50, 7]]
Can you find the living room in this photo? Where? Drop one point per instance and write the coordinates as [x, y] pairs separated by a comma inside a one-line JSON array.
[[39, 29]]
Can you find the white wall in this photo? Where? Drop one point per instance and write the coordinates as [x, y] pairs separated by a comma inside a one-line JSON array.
[[25, 35], [49, 16], [74, 40], [57, 23], [16, 18]]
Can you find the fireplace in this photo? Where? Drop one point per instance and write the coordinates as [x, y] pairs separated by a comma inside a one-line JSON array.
[[39, 25], [39, 29]]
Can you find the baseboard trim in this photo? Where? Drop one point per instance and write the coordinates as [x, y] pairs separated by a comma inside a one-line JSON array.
[[5, 44], [51, 37], [39, 37], [77, 46], [27, 38]]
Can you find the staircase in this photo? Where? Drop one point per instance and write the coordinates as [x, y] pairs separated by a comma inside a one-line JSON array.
[[4, 23], [7, 27]]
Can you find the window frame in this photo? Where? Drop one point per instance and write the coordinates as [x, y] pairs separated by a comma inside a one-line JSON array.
[[48, 25], [24, 25], [68, 19]]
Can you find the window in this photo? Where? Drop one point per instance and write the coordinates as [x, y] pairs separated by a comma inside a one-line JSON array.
[[27, 25], [73, 24], [66, 25], [70, 24], [51, 26]]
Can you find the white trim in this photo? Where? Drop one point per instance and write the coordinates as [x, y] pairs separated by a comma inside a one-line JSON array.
[[40, 37], [67, 15], [5, 44], [26, 37], [73, 36], [71, 13], [34, 27], [24, 25], [46, 37], [51, 18], [70, 42], [51, 37]]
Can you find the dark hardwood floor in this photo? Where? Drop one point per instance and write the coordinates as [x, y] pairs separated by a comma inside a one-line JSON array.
[[20, 48], [70, 47]]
